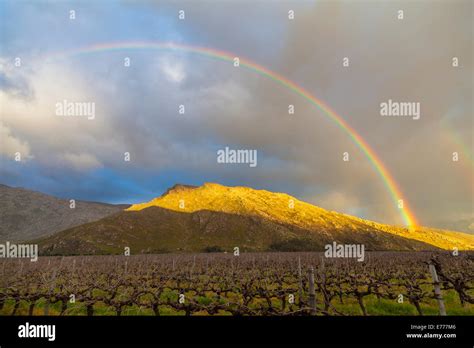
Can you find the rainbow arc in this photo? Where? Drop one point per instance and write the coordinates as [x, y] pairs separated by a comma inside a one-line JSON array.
[[388, 180]]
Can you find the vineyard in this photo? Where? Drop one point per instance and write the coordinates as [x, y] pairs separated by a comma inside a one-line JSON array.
[[386, 283]]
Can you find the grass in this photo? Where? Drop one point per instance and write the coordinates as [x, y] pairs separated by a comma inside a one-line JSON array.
[[350, 306]]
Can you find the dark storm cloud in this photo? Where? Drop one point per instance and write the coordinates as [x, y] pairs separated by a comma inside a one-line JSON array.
[[407, 60]]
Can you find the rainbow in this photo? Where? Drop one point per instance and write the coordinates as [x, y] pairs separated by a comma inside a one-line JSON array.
[[461, 146], [395, 192]]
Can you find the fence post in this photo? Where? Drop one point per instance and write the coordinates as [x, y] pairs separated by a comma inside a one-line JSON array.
[[300, 280], [312, 293], [437, 290], [51, 288]]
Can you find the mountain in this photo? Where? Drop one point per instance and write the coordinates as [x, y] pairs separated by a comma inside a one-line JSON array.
[[26, 214], [216, 217]]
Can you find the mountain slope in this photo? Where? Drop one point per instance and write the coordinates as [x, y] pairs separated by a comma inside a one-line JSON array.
[[188, 218], [26, 214]]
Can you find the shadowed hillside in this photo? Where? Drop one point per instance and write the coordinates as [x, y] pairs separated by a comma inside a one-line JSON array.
[[26, 214]]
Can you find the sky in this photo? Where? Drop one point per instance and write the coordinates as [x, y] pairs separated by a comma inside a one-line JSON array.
[[407, 59]]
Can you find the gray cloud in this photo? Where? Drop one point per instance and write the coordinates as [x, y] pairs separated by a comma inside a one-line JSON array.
[[407, 60]]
